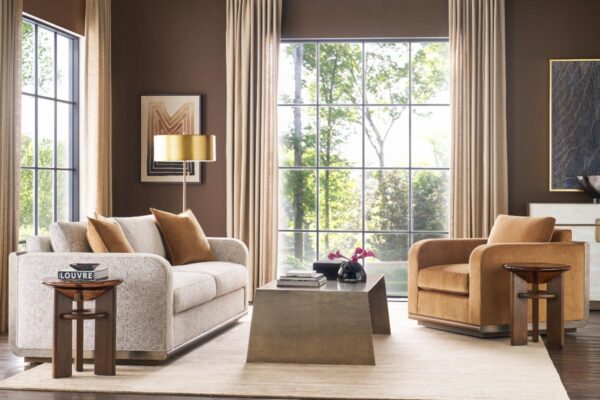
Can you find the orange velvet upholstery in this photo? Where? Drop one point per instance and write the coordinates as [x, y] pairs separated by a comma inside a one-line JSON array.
[[436, 279], [448, 278]]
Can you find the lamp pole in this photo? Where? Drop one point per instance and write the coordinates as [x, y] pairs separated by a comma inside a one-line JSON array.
[[185, 172]]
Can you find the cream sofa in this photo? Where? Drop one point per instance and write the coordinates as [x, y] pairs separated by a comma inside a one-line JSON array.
[[161, 308]]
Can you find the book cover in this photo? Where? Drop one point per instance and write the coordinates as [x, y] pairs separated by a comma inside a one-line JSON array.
[[74, 275]]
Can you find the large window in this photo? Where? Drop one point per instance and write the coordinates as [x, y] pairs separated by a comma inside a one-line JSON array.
[[49, 109], [364, 145]]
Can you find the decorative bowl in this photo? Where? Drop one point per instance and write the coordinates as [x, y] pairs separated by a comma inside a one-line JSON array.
[[84, 266], [591, 185]]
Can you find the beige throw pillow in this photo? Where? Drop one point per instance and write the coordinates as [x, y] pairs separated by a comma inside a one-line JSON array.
[[512, 229], [106, 236], [183, 236]]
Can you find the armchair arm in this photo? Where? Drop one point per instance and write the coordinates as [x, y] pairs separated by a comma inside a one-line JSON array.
[[430, 252], [229, 250], [144, 299], [489, 283]]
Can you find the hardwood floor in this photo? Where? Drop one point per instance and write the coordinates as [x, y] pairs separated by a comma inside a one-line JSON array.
[[578, 364]]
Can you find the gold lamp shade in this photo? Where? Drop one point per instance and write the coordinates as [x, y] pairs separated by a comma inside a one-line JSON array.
[[185, 148]]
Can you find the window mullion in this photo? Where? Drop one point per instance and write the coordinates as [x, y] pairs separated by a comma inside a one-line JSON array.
[[55, 161]]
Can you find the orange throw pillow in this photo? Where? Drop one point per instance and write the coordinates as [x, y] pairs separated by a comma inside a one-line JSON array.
[[183, 236], [106, 236], [512, 229]]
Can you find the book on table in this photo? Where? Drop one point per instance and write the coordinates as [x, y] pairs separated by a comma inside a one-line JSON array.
[[301, 278], [83, 276]]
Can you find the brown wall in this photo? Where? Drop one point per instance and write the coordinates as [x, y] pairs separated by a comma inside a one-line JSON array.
[[168, 47], [537, 30], [364, 18], [179, 47], [68, 14]]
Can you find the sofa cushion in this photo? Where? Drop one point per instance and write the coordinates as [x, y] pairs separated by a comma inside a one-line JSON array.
[[106, 236], [191, 289], [38, 244], [183, 236], [513, 229], [448, 278], [143, 234], [228, 276], [69, 237]]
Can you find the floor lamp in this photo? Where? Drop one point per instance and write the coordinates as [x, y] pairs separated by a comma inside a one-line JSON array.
[[185, 148]]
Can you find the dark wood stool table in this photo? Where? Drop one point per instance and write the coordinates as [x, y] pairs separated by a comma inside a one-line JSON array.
[[523, 274], [65, 292]]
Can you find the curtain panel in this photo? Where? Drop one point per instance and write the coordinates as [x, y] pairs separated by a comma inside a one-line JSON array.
[[10, 138], [478, 101], [96, 135], [252, 49]]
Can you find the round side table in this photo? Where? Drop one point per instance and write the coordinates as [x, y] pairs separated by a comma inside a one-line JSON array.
[[65, 292], [523, 274]]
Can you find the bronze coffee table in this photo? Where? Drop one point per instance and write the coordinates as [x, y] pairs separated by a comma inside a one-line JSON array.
[[65, 292], [333, 324]]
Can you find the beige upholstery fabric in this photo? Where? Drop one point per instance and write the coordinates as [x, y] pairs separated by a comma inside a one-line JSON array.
[[478, 98], [96, 137], [143, 234], [69, 237], [228, 276], [38, 244], [197, 320], [10, 133], [445, 306], [252, 49], [515, 229], [154, 295], [449, 278], [191, 290]]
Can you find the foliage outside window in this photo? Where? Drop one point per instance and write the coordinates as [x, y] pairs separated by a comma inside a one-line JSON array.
[[48, 128], [364, 146]]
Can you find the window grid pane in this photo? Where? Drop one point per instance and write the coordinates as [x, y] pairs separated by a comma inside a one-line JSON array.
[[381, 147], [49, 114]]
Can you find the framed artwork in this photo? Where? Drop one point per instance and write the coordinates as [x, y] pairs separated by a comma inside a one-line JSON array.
[[574, 122], [168, 115]]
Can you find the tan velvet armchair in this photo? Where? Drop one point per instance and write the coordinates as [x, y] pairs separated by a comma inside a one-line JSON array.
[[460, 285]]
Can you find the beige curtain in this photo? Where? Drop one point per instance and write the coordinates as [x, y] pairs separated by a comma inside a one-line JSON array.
[[10, 133], [478, 98], [96, 135], [252, 41]]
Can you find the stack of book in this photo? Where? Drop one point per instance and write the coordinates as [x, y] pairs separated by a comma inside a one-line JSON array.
[[302, 278], [83, 273]]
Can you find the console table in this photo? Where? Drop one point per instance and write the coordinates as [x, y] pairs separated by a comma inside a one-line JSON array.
[[65, 292]]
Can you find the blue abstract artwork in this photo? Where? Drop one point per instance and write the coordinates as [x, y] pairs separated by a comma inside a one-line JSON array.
[[574, 122]]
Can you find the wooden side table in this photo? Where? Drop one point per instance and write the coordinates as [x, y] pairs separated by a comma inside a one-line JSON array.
[[65, 292], [537, 274]]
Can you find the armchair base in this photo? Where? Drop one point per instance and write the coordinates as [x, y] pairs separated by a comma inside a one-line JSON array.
[[487, 331]]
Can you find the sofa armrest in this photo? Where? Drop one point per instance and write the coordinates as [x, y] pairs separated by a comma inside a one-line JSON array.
[[229, 250], [489, 283], [430, 252], [144, 299]]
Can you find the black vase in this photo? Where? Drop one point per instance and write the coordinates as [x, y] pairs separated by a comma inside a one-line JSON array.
[[350, 272]]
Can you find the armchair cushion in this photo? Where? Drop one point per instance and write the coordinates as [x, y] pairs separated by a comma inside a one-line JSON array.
[[449, 278], [512, 229], [192, 289], [228, 276]]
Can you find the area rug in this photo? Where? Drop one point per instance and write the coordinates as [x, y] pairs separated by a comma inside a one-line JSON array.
[[413, 363]]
